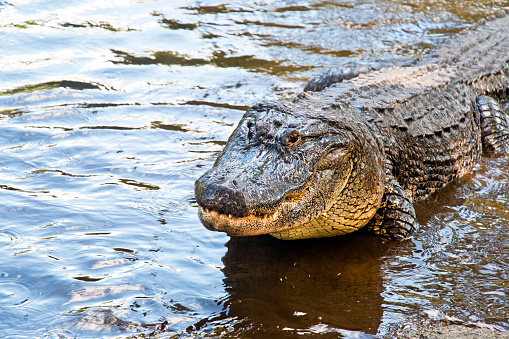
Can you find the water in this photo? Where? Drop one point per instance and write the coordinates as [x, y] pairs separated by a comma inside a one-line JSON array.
[[109, 110]]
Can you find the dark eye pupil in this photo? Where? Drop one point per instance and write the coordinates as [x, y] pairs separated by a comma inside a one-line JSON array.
[[293, 138]]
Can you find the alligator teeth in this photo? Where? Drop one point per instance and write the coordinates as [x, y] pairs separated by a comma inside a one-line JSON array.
[[206, 210], [265, 215], [229, 216]]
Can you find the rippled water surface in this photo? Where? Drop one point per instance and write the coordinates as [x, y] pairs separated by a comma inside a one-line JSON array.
[[109, 110]]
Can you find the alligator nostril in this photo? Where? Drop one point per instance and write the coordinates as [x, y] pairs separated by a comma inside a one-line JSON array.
[[223, 198]]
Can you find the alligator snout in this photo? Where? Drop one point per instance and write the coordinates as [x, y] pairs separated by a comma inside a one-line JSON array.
[[225, 198]]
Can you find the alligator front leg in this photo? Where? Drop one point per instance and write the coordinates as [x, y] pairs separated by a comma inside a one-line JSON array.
[[395, 218]]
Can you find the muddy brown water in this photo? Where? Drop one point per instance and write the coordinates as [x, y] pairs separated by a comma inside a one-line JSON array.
[[109, 110]]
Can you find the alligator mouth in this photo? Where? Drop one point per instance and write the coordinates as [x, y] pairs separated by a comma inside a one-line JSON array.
[[253, 224], [255, 215], [261, 221], [259, 216]]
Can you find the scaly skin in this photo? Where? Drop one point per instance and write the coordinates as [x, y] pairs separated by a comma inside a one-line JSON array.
[[362, 149]]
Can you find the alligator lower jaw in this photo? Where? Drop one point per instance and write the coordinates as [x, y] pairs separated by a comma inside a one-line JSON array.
[[239, 226]]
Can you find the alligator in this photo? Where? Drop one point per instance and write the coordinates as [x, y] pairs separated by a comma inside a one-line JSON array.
[[358, 147]]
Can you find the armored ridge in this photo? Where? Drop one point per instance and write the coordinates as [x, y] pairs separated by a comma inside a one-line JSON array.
[[359, 151]]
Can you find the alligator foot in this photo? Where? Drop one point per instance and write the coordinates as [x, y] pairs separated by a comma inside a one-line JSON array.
[[494, 125], [333, 76], [395, 218]]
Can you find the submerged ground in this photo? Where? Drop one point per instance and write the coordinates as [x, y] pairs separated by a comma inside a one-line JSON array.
[[109, 110]]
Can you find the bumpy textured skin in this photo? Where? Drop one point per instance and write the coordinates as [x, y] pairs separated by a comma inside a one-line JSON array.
[[359, 151]]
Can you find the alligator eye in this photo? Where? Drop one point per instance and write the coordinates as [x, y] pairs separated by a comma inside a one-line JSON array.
[[292, 139]]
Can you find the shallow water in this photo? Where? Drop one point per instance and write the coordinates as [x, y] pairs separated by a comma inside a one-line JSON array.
[[109, 110]]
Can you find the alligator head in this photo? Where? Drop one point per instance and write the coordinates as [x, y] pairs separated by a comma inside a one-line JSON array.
[[288, 173]]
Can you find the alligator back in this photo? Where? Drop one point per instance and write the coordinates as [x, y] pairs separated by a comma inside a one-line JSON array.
[[425, 113]]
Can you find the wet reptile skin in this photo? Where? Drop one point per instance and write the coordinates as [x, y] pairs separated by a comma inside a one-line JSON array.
[[360, 146]]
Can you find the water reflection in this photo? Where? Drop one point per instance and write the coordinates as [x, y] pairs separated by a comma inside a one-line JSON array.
[[77, 85], [304, 287], [440, 202], [218, 59]]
